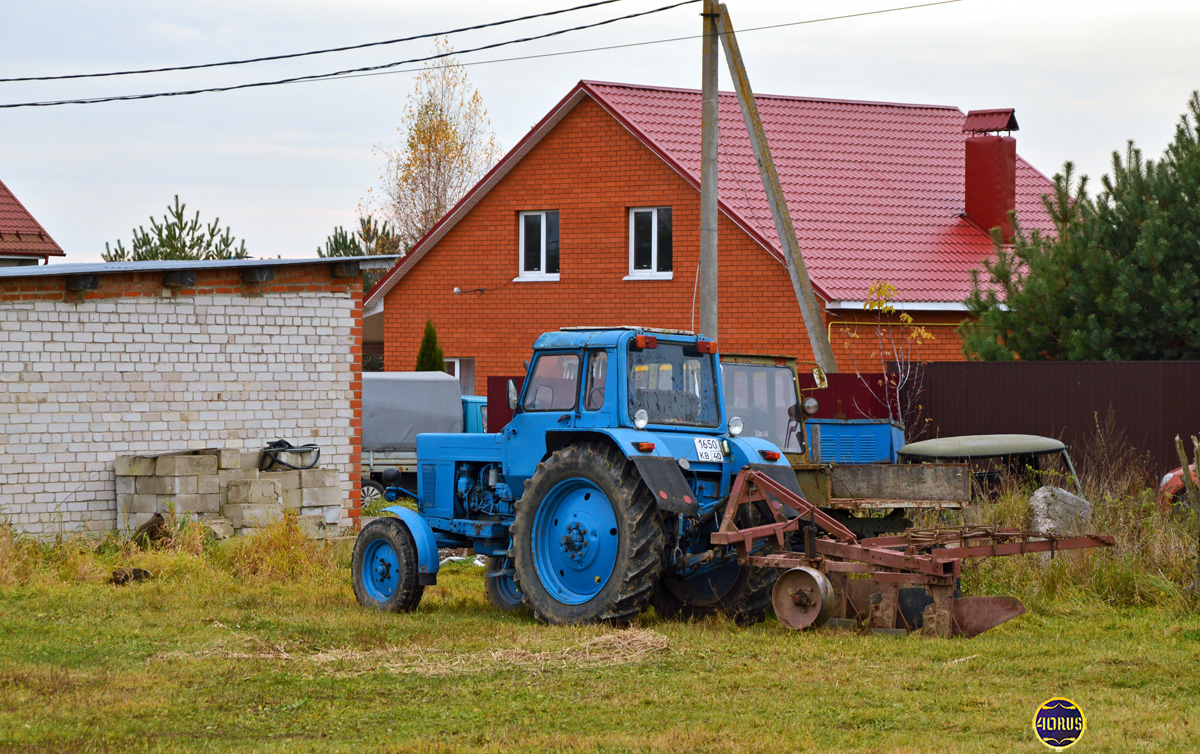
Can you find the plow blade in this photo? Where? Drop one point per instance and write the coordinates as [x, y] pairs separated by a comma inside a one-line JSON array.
[[974, 615]]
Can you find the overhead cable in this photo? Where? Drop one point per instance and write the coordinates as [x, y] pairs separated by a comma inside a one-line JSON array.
[[288, 56]]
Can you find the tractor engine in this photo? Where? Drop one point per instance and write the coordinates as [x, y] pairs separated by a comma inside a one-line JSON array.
[[479, 491]]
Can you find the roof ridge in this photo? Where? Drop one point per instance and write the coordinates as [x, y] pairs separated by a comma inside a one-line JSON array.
[[786, 97]]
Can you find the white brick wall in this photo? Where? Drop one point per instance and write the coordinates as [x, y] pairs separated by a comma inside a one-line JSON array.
[[81, 383]]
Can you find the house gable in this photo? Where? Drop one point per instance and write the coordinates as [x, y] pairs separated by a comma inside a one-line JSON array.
[[592, 170], [21, 236]]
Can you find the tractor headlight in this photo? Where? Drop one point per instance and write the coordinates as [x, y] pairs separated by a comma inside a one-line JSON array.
[[810, 406], [641, 418], [735, 425]]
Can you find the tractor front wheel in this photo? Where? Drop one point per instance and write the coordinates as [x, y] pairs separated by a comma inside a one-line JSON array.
[[587, 541], [384, 567]]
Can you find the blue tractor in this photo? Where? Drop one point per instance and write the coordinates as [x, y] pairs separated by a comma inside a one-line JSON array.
[[598, 499]]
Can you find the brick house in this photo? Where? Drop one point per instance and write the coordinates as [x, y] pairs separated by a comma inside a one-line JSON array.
[[23, 240], [593, 219]]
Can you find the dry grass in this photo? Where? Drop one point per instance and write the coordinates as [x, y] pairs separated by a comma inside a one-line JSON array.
[[280, 552]]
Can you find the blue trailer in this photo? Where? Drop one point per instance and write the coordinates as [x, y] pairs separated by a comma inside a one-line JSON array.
[[598, 499]]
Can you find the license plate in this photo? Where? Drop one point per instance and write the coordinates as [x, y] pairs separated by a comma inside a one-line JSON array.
[[708, 449]]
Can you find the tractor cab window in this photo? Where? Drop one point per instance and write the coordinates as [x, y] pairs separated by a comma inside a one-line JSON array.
[[553, 384], [674, 384], [597, 376], [764, 397]]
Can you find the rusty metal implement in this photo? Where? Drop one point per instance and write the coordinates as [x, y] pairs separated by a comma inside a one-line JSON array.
[[905, 582]]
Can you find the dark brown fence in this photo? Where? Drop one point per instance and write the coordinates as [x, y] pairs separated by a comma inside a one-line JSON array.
[[1152, 401]]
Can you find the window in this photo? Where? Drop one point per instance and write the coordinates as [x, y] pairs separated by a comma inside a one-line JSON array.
[[539, 245], [464, 370], [554, 384], [597, 377], [674, 385], [650, 244]]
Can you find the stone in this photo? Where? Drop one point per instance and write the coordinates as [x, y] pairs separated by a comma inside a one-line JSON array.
[[1053, 510], [253, 515], [254, 492], [134, 465], [322, 496], [217, 528], [320, 478], [185, 465]]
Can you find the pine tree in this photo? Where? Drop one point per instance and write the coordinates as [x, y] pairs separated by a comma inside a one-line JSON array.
[[177, 237], [1118, 279], [429, 355]]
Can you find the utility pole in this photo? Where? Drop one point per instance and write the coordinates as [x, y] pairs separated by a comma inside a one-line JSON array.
[[801, 285], [708, 174]]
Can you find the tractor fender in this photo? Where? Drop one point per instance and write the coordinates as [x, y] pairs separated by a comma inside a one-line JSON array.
[[658, 469], [422, 534]]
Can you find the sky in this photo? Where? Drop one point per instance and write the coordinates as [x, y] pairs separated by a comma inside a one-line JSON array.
[[283, 166]]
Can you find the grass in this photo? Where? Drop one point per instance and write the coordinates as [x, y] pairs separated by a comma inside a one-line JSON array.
[[259, 645]]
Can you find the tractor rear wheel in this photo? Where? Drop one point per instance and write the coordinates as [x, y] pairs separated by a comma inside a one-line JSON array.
[[587, 540], [384, 567], [501, 589]]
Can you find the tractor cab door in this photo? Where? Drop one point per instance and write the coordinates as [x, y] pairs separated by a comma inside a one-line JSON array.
[[548, 403]]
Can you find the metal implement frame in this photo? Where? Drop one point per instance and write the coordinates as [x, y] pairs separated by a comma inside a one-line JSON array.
[[928, 558]]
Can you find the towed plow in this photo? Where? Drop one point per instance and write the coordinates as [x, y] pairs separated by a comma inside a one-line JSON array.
[[900, 583]]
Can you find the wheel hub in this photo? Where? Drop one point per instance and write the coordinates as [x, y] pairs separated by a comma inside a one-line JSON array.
[[575, 541]]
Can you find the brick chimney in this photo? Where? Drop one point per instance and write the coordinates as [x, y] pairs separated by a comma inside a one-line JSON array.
[[991, 170]]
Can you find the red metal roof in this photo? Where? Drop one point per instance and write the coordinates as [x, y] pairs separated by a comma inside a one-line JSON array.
[[20, 234], [875, 189]]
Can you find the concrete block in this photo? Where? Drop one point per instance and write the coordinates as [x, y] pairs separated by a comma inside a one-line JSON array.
[[253, 515], [134, 520], [254, 492], [185, 465], [293, 498], [217, 528], [296, 459], [313, 525], [144, 504], [208, 485], [331, 513], [289, 480], [229, 459], [125, 485], [166, 485], [134, 465], [320, 478], [198, 503], [322, 496], [225, 476], [248, 459]]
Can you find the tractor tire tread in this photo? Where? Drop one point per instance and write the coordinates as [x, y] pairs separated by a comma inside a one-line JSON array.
[[646, 537]]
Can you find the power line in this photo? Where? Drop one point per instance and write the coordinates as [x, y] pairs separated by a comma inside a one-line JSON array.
[[337, 74], [626, 45], [376, 70], [288, 56]]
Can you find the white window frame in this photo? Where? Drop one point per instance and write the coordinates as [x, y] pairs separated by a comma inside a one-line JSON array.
[[527, 275], [652, 273]]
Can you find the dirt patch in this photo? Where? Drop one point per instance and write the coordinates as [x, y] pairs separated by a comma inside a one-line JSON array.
[[616, 648]]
